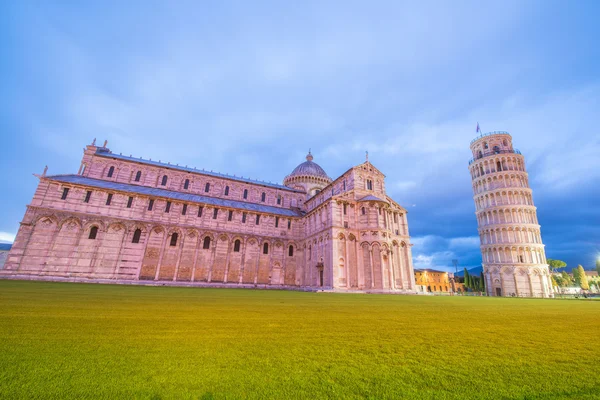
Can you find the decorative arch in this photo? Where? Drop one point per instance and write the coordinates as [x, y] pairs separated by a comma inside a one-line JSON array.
[[101, 225], [70, 220], [116, 227]]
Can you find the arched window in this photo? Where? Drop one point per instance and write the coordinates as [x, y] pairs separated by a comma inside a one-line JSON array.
[[207, 187], [309, 252], [504, 142], [479, 154], [138, 176], [363, 211], [498, 166], [226, 190], [266, 248], [236, 246], [186, 184], [136, 236], [164, 181], [278, 199], [245, 193], [263, 197], [93, 232], [496, 149], [111, 171], [291, 251], [206, 244], [486, 146], [174, 239]]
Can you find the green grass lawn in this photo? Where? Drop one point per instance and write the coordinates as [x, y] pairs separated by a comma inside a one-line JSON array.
[[66, 340]]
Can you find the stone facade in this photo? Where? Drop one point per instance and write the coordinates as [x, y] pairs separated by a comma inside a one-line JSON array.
[[431, 280], [129, 219], [514, 261]]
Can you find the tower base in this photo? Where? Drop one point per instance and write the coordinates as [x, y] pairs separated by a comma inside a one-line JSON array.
[[518, 280]]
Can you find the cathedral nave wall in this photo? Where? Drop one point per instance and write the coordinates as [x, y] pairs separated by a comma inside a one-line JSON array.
[[49, 195], [98, 167], [61, 244]]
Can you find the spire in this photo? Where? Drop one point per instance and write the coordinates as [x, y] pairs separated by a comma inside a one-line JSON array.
[[367, 155], [309, 156]]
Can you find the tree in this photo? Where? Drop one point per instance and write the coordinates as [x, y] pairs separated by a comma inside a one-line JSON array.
[[580, 277], [467, 279], [565, 279], [482, 282], [598, 265], [554, 282], [556, 264]]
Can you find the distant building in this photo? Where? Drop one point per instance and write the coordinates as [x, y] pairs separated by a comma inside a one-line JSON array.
[[589, 274], [126, 218], [4, 248], [431, 280]]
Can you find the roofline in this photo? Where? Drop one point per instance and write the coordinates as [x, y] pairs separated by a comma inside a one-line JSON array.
[[483, 135], [104, 152], [174, 195], [430, 270]]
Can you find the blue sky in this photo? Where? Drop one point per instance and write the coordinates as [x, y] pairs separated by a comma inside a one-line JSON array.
[[247, 87]]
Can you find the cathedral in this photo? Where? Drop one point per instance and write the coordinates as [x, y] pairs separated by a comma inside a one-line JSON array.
[[127, 219]]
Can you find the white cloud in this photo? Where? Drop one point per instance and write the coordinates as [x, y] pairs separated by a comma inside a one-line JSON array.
[[7, 237], [432, 251]]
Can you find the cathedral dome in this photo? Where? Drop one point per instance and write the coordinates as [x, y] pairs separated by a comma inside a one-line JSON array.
[[309, 168], [308, 176]]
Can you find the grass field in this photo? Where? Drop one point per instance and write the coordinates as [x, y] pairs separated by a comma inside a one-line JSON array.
[[66, 340]]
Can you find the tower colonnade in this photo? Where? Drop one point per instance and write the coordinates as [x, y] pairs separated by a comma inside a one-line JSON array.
[[514, 261]]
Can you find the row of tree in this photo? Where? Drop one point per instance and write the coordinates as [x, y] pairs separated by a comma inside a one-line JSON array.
[[578, 278], [474, 282]]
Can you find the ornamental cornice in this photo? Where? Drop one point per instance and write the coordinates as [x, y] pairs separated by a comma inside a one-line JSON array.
[[509, 207], [512, 246], [502, 189], [512, 265], [490, 175], [499, 156], [508, 226], [65, 215]]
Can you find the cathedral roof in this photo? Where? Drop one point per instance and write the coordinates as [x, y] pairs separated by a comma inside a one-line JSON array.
[[103, 152], [309, 168], [156, 192], [372, 198]]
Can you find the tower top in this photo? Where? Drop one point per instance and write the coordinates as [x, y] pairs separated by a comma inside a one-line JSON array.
[[490, 134]]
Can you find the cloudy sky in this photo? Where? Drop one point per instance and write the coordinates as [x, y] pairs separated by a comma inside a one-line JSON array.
[[247, 87]]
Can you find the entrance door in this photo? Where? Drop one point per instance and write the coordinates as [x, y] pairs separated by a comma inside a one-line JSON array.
[[498, 291], [321, 277]]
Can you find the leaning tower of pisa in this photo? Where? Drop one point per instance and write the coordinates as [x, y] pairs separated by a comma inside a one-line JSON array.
[[514, 263]]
